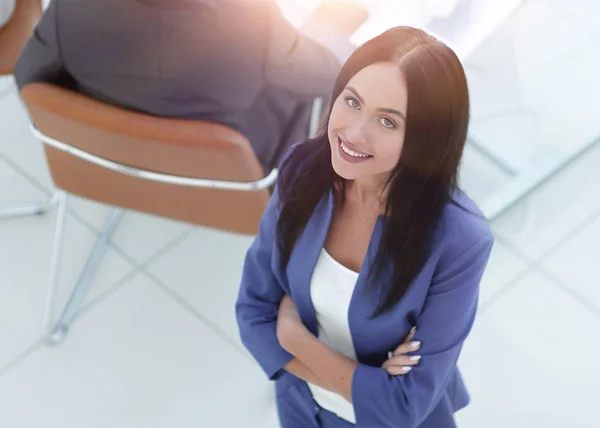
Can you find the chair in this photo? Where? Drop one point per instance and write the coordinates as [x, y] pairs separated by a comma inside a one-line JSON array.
[[196, 172], [14, 35]]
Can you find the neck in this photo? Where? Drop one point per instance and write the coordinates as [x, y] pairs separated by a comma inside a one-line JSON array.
[[367, 193]]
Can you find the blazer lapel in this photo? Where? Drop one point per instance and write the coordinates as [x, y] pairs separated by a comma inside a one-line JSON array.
[[304, 259]]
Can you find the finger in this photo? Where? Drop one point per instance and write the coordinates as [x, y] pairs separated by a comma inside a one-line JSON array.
[[398, 370], [403, 360], [405, 348], [410, 335]]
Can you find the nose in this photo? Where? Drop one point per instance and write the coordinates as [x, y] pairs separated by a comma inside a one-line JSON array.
[[357, 132]]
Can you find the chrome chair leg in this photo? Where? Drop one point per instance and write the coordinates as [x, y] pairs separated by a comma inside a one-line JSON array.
[[315, 117], [32, 209], [85, 278], [61, 200]]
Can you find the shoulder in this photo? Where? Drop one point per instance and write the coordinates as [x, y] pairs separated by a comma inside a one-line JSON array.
[[463, 225], [296, 152], [297, 164], [289, 167]]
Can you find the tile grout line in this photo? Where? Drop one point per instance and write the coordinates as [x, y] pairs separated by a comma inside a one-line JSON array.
[[595, 214], [139, 268], [574, 294], [196, 313], [505, 289], [509, 285], [28, 177], [591, 147], [142, 268], [85, 309], [21, 357], [535, 263], [532, 264], [537, 266], [157, 255]]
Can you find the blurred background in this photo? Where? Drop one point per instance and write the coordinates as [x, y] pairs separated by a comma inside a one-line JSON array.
[[155, 343]]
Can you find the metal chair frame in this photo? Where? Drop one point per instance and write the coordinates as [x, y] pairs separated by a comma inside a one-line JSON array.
[[53, 332]]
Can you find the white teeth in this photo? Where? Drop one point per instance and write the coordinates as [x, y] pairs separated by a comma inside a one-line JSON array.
[[352, 152]]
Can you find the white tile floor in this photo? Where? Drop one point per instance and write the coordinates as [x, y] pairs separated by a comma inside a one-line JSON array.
[[156, 344]]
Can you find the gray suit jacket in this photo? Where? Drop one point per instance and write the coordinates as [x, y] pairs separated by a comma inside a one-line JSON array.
[[235, 62]]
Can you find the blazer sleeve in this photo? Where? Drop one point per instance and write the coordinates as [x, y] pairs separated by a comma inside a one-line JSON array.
[[297, 64], [259, 297], [41, 60], [446, 320]]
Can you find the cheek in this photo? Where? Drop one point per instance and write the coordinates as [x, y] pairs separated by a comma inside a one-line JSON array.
[[338, 118], [389, 149]]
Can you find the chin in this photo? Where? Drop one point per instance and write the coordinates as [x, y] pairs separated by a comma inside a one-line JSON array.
[[347, 172]]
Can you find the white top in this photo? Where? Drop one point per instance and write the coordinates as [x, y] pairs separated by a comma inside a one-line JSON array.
[[7, 7], [331, 288]]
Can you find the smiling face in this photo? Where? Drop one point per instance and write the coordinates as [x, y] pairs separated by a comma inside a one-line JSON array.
[[367, 123]]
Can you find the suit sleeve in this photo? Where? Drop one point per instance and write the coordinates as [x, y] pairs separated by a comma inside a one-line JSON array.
[[446, 320], [259, 297], [297, 64], [41, 60]]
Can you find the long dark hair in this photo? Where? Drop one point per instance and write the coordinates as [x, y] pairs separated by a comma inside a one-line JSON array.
[[424, 180]]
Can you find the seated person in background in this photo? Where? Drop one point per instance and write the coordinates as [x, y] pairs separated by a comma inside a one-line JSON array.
[[234, 62], [7, 7]]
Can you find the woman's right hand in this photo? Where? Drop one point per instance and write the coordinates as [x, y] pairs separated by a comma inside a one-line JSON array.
[[398, 363]]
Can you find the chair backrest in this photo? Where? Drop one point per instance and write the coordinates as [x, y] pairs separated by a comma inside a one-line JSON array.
[[16, 32], [184, 148]]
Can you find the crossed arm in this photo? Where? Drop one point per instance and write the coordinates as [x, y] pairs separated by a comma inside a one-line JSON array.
[[315, 362]]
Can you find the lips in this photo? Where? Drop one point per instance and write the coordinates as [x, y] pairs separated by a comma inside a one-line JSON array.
[[350, 153], [351, 150]]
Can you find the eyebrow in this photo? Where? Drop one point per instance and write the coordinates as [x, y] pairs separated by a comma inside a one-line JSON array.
[[384, 110]]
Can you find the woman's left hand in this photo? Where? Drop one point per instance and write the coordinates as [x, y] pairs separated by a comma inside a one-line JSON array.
[[289, 323]]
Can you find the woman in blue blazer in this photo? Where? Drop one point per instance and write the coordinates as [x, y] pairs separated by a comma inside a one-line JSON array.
[[362, 284]]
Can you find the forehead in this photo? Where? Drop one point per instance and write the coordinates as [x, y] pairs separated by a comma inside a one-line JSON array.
[[381, 85]]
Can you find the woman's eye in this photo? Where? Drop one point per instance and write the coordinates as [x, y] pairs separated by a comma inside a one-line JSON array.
[[388, 123], [352, 102]]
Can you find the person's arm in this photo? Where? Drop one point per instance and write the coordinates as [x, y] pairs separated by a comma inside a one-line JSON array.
[[258, 301], [300, 370], [380, 399], [259, 296], [322, 361], [295, 63], [41, 60], [296, 338]]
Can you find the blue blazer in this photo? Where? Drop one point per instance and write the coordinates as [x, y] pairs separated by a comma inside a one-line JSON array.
[[441, 302]]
